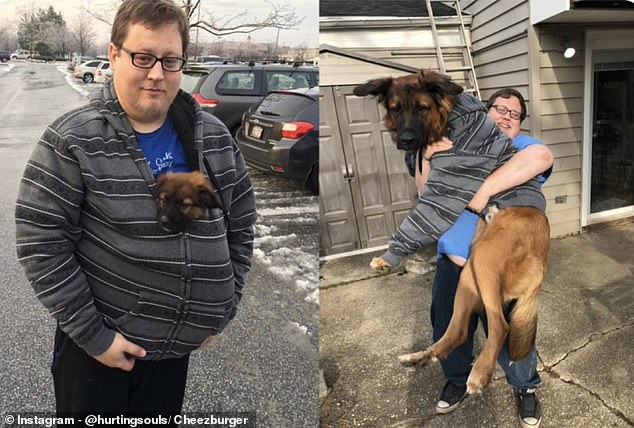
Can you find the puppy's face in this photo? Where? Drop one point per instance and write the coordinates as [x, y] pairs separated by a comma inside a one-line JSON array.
[[183, 197], [417, 106]]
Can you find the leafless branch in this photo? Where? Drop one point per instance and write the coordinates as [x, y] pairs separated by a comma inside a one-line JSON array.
[[281, 16]]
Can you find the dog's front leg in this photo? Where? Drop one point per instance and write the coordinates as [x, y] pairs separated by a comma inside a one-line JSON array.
[[466, 303]]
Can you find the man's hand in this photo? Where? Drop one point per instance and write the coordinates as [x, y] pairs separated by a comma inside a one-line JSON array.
[[480, 200], [379, 265], [121, 354], [437, 146]]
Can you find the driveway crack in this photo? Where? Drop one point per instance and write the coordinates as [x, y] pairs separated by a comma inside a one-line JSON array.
[[551, 370]]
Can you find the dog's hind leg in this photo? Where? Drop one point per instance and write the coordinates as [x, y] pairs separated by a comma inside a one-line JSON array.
[[466, 304], [490, 287]]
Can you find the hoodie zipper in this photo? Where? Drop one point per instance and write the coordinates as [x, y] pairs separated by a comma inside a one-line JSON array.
[[183, 306]]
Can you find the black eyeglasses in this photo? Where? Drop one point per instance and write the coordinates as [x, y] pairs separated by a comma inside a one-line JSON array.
[[146, 60], [503, 110]]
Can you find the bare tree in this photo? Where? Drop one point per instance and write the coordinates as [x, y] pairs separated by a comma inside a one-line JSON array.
[[8, 38], [282, 17], [103, 11], [83, 32], [58, 39]]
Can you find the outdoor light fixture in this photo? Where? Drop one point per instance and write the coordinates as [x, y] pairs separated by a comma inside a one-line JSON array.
[[566, 48], [569, 52]]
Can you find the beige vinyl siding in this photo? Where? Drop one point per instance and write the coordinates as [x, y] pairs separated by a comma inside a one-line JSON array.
[[500, 44], [561, 119]]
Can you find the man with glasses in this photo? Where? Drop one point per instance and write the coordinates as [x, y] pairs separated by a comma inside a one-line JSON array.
[[132, 301], [507, 108]]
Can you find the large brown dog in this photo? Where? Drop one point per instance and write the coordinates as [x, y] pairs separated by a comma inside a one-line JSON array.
[[183, 197], [508, 256]]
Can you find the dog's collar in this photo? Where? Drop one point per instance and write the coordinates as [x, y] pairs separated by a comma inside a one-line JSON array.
[[484, 214]]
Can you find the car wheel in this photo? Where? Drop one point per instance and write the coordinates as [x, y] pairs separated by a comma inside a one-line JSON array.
[[312, 183], [88, 78]]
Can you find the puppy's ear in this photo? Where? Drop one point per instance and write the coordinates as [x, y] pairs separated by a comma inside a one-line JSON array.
[[160, 180], [207, 198], [376, 87]]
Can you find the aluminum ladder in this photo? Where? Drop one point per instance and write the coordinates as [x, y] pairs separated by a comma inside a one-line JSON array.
[[465, 45]]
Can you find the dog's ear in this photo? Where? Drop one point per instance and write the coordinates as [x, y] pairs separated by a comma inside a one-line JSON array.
[[160, 180], [376, 87], [208, 198], [441, 84]]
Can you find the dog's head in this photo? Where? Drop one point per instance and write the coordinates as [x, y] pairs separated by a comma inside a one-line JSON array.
[[417, 106], [183, 197]]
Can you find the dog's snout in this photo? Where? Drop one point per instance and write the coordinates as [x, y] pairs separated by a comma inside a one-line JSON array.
[[408, 137], [407, 140]]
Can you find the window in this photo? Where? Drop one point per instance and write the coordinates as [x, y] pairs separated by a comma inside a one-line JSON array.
[[291, 79], [237, 80]]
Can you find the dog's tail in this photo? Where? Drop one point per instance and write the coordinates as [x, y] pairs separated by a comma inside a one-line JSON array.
[[523, 326]]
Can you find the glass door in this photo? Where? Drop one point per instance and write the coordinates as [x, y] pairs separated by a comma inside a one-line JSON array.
[[610, 119], [612, 178]]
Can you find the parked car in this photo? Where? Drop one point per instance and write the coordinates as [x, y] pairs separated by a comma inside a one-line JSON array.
[[281, 135], [103, 73], [227, 91], [87, 70], [192, 74], [4, 56], [36, 57], [21, 54]]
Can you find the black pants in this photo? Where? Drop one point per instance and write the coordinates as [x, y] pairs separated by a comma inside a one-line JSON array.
[[85, 386]]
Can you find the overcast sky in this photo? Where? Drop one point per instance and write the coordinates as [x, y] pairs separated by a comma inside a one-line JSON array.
[[221, 9]]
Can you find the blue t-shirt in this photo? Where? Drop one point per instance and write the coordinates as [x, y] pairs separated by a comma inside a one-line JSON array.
[[457, 239], [163, 149]]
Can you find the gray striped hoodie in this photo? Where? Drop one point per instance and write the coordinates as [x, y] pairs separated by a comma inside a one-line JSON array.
[[479, 147], [88, 238]]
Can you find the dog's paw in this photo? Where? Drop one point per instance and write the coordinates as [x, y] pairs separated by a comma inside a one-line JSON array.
[[478, 380], [417, 359], [473, 387]]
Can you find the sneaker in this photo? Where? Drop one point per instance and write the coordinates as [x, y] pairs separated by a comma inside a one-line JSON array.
[[528, 408], [450, 398]]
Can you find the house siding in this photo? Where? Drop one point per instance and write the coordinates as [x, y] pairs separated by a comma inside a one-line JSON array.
[[509, 52], [561, 117]]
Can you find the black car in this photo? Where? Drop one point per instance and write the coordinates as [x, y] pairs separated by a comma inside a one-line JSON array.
[[281, 135], [227, 91], [4, 56]]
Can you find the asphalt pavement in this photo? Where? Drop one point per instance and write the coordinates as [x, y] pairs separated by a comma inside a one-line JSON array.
[[584, 342]]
